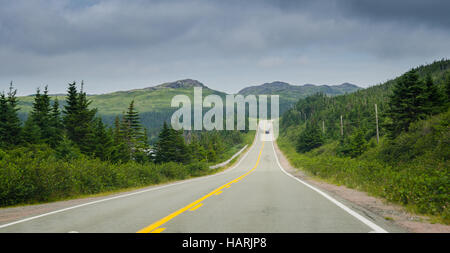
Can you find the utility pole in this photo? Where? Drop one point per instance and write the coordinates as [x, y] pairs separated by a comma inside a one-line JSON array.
[[376, 119], [342, 129]]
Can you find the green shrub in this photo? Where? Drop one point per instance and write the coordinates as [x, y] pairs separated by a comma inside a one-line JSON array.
[[36, 174]]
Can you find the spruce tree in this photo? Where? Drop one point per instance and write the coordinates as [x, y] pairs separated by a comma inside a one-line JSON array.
[[40, 116], [79, 119], [447, 86], [407, 103], [56, 125], [71, 111], [433, 99], [310, 138], [163, 147], [133, 122], [170, 146], [103, 141], [10, 125]]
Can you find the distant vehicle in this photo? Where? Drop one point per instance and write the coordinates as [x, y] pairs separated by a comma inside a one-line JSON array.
[[267, 131]]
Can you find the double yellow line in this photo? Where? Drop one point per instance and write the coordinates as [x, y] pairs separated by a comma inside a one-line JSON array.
[[155, 227]]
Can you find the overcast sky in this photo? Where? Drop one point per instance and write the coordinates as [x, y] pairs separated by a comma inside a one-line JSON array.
[[227, 45]]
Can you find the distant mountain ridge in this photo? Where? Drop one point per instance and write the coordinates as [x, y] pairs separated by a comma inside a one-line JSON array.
[[290, 94], [277, 86], [154, 103]]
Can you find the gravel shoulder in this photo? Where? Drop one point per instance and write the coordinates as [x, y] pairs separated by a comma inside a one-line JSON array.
[[395, 215]]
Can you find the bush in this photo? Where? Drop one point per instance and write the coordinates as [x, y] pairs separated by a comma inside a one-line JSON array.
[[35, 174]]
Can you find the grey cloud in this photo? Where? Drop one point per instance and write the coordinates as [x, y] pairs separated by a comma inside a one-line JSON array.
[[117, 40]]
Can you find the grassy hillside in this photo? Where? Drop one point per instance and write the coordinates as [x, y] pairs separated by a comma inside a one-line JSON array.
[[412, 168], [153, 103]]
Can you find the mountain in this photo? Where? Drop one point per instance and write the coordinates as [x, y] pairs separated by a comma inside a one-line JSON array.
[[289, 94], [410, 168], [152, 103]]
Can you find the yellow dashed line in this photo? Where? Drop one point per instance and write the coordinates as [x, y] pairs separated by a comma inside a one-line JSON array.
[[194, 205], [158, 230]]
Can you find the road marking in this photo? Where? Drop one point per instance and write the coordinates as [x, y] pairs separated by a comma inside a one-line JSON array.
[[132, 193], [158, 230], [169, 217], [218, 193], [196, 207], [361, 218]]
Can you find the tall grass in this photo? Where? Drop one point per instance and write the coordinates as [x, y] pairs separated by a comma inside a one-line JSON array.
[[412, 170]]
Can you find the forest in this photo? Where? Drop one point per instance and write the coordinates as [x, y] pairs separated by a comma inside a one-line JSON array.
[[391, 140], [67, 151]]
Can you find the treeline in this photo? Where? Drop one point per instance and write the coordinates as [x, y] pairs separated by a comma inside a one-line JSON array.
[[63, 151], [418, 94], [336, 138], [73, 131]]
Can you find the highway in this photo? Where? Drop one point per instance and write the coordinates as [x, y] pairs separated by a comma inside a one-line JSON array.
[[255, 195]]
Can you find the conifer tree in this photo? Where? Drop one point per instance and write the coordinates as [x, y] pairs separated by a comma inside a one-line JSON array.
[[407, 103], [40, 117], [433, 99], [309, 138], [170, 146], [79, 119], [447, 86], [10, 125], [55, 124], [102, 140]]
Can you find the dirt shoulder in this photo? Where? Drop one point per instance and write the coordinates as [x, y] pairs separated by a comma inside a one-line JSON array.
[[394, 215]]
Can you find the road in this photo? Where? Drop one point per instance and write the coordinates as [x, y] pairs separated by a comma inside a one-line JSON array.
[[256, 195]]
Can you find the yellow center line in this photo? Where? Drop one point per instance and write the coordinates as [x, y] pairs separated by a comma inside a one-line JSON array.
[[154, 226], [196, 207], [158, 230]]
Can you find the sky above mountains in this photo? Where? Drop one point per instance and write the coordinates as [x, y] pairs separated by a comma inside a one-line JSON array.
[[227, 45]]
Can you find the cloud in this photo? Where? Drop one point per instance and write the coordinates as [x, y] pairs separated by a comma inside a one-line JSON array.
[[269, 62], [145, 42]]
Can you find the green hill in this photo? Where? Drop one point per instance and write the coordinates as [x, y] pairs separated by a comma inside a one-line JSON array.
[[290, 94], [152, 103], [411, 168]]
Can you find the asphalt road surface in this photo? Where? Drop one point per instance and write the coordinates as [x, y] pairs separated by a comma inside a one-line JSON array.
[[256, 195]]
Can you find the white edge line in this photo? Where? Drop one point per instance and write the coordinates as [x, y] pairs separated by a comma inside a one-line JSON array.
[[133, 193], [375, 227]]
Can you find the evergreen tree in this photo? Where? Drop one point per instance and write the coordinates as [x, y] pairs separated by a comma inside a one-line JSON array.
[[56, 125], [133, 122], [117, 134], [78, 119], [171, 146], [196, 150], [103, 141], [70, 111], [447, 86], [40, 117], [10, 125], [310, 138], [433, 98], [163, 148], [407, 103]]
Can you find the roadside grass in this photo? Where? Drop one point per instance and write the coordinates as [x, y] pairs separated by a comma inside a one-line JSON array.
[[420, 191], [37, 178]]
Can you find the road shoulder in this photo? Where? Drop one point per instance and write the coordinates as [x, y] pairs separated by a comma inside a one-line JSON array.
[[394, 216]]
